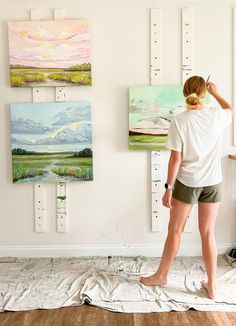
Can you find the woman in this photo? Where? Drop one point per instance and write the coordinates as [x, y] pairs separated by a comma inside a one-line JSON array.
[[194, 175]]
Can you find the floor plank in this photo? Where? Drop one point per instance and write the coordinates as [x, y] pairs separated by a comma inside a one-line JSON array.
[[161, 318], [91, 316], [222, 319], [208, 318], [232, 317]]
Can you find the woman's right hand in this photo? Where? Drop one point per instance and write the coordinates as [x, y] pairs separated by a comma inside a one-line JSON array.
[[212, 89], [166, 199]]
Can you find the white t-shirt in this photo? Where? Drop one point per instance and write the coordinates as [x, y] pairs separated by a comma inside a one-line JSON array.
[[197, 134]]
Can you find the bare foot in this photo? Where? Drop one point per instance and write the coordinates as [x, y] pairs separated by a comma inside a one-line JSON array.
[[153, 280], [210, 289]]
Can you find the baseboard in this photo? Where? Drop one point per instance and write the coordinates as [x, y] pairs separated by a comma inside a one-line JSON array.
[[103, 250]]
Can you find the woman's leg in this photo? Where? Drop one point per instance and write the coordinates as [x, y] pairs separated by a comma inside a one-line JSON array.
[[178, 216], [207, 213]]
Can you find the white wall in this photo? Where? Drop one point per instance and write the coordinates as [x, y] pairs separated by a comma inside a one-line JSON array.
[[114, 209]]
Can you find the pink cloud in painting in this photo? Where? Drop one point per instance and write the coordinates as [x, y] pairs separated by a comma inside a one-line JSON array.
[[49, 44]]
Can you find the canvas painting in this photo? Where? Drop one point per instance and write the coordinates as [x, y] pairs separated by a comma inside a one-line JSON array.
[[151, 109], [51, 142], [50, 53]]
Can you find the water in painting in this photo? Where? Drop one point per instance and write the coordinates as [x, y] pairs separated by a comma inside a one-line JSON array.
[[51, 142]]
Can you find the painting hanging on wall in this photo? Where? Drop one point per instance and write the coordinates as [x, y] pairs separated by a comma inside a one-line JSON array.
[[151, 109], [51, 142], [50, 53]]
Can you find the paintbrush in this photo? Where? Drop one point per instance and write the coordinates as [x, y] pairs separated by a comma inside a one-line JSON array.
[[208, 78]]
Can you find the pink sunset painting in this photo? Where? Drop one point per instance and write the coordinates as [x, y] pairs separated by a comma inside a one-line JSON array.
[[50, 53]]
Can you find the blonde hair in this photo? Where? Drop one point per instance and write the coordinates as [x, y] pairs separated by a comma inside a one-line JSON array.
[[194, 90]]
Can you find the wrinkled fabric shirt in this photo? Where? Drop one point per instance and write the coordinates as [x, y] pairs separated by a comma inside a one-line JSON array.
[[197, 134]]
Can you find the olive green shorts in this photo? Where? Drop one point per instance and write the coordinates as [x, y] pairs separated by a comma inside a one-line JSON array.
[[191, 195]]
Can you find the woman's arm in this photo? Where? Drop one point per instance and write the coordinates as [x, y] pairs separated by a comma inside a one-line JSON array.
[[212, 89], [173, 168]]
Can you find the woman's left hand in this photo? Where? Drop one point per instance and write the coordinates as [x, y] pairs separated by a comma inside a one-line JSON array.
[[166, 199]]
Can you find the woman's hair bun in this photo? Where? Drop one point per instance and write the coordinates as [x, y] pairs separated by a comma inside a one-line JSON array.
[[192, 99]]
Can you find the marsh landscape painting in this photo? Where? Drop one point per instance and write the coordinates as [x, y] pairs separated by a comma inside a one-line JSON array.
[[51, 142], [50, 53], [151, 109]]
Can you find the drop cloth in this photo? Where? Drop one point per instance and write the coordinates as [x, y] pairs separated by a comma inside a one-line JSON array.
[[112, 283]]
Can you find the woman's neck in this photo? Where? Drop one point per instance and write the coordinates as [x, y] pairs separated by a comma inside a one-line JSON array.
[[196, 107]]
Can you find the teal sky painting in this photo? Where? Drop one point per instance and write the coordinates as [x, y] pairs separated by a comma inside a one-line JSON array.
[[151, 109]]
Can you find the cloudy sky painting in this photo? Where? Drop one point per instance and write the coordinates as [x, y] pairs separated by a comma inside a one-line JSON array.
[[49, 44], [51, 142], [51, 127], [50, 53]]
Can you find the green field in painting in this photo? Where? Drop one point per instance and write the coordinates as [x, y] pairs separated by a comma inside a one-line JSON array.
[[23, 77], [147, 142], [28, 166]]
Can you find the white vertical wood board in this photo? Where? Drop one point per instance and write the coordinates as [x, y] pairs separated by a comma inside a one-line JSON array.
[[157, 191], [39, 191], [39, 208], [58, 13], [187, 43], [35, 14], [60, 94], [36, 94], [187, 66], [62, 220], [155, 79], [155, 46]]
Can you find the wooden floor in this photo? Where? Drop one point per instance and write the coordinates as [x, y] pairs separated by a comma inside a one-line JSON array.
[[90, 316]]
